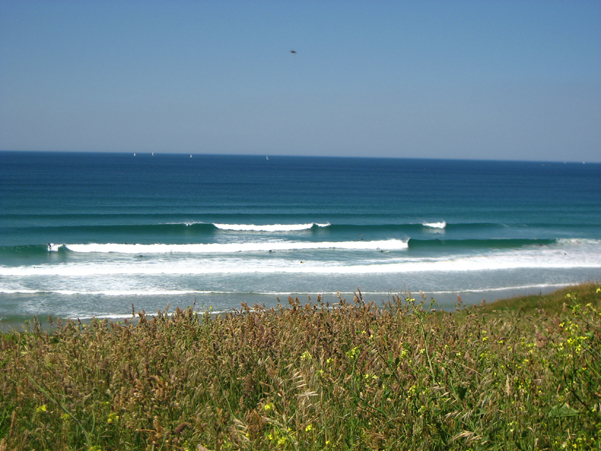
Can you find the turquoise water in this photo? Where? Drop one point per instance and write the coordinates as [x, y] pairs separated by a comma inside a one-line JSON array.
[[85, 235]]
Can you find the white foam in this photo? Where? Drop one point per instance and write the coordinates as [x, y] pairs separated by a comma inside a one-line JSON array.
[[268, 227], [191, 267], [227, 248], [511, 288], [128, 316], [435, 225], [578, 241], [568, 254]]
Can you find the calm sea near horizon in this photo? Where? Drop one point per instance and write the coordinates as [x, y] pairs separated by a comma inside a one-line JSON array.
[[87, 234]]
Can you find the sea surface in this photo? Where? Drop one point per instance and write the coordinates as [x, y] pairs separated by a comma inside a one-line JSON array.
[[89, 234]]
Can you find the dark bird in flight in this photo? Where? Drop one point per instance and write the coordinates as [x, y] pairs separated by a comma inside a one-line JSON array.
[[292, 51]]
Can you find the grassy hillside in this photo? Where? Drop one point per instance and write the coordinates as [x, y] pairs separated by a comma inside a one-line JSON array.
[[556, 302], [518, 374]]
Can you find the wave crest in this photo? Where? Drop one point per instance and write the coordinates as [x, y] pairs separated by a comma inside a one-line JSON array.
[[234, 247], [435, 225], [268, 227]]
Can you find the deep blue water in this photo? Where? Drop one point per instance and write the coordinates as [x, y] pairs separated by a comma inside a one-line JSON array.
[[89, 234]]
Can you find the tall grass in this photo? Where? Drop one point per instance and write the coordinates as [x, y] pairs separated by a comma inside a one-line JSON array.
[[309, 377]]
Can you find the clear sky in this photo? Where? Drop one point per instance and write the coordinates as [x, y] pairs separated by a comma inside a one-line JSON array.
[[437, 79]]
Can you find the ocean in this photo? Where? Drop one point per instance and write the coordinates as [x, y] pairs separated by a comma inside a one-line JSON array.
[[87, 235]]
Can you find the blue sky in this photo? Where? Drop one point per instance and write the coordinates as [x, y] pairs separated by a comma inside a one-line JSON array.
[[435, 79]]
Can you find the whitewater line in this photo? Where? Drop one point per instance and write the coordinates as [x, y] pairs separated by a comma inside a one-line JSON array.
[[234, 247]]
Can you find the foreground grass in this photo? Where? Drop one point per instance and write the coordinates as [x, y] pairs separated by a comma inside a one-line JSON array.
[[310, 377]]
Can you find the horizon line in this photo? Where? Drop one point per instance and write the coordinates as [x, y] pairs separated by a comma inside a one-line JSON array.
[[263, 155]]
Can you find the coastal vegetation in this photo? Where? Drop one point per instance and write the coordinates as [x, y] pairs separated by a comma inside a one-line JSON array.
[[518, 374]]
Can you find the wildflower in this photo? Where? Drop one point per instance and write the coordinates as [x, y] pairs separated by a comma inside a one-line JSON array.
[[112, 418], [306, 356], [42, 408], [353, 353], [309, 428], [267, 407]]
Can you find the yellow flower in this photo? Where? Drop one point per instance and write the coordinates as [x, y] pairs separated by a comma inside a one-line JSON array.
[[306, 356], [42, 408], [353, 353], [309, 428]]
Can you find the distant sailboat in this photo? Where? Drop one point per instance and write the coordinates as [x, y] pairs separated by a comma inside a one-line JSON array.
[[190, 155], [267, 158], [153, 154], [134, 155]]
